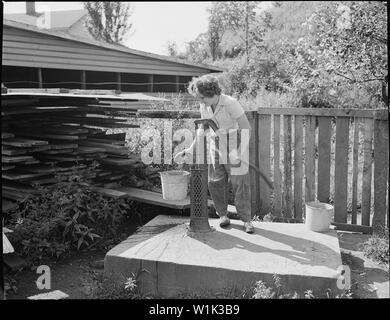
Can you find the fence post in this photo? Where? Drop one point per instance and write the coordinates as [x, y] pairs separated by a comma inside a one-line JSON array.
[[381, 160], [253, 158], [264, 135]]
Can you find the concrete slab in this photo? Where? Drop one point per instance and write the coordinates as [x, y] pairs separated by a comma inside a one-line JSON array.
[[52, 295], [168, 259]]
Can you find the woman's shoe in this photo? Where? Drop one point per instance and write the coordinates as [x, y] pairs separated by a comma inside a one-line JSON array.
[[224, 221], [249, 228]]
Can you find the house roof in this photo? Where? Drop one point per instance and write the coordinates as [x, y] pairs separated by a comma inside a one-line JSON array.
[[117, 47], [58, 19]]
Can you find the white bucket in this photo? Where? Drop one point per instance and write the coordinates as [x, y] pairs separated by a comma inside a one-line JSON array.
[[174, 184], [318, 216]]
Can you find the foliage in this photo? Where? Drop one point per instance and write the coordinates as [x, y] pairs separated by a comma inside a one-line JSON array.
[[377, 248], [108, 21], [278, 291], [64, 217], [326, 54]]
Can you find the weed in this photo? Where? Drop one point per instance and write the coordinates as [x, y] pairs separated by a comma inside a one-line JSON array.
[[377, 248]]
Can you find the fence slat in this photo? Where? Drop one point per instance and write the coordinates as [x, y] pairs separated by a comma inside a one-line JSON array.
[[253, 158], [381, 166], [298, 166], [310, 123], [324, 126], [264, 162], [367, 171], [355, 168], [341, 170], [287, 192], [277, 201]]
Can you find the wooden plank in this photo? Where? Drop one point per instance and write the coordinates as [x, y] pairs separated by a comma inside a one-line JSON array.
[[327, 112], [19, 187], [298, 167], [58, 151], [324, 136], [20, 176], [113, 136], [114, 125], [53, 136], [277, 202], [352, 227], [44, 181], [20, 142], [253, 152], [5, 168], [355, 169], [64, 129], [13, 195], [6, 135], [264, 134], [154, 198], [39, 148], [64, 146], [287, 192], [310, 126], [118, 162], [381, 174], [107, 141], [38, 169], [5, 159], [62, 157], [87, 150], [163, 114], [107, 147], [15, 111], [367, 171], [12, 152], [341, 170]]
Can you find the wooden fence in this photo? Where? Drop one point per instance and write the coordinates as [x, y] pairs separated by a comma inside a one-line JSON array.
[[302, 149], [338, 156]]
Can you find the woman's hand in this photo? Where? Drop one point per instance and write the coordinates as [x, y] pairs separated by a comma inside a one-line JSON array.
[[183, 156]]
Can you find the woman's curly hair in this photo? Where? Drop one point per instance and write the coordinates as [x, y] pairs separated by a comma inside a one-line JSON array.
[[206, 85]]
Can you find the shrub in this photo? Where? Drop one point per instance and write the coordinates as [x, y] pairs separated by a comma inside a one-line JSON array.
[[377, 248], [65, 217]]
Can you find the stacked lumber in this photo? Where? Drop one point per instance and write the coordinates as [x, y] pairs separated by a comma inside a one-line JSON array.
[[49, 133]]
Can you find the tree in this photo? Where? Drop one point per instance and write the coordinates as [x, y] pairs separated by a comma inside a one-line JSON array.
[[198, 50], [108, 21], [171, 48], [215, 32], [238, 16]]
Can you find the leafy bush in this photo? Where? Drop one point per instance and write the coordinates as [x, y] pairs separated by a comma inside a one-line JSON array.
[[377, 248], [64, 217]]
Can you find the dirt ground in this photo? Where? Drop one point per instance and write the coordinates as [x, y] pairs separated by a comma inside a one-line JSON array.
[[369, 279], [76, 276]]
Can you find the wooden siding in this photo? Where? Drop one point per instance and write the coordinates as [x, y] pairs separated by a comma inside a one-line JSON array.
[[32, 49]]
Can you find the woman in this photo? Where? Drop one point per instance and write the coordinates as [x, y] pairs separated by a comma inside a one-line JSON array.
[[228, 114]]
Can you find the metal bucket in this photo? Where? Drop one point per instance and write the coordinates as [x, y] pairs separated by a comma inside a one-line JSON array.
[[318, 216], [174, 184]]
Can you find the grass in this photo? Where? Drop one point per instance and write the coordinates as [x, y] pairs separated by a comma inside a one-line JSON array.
[[377, 248], [109, 288]]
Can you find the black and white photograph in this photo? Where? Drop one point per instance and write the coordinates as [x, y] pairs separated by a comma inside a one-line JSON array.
[[196, 155]]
